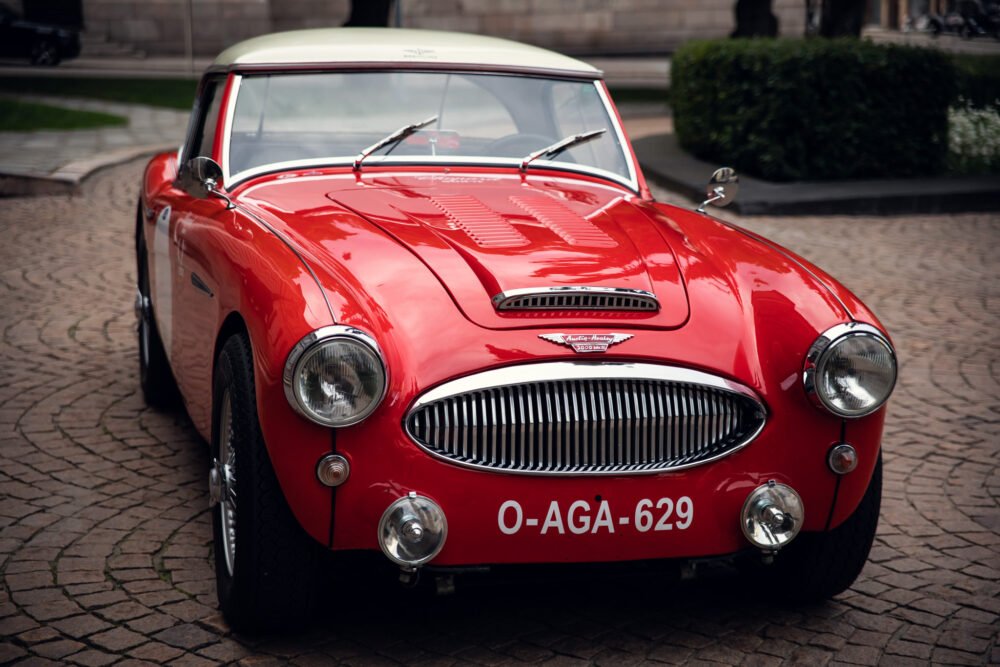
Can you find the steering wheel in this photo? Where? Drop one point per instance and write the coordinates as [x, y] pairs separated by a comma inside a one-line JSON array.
[[517, 144]]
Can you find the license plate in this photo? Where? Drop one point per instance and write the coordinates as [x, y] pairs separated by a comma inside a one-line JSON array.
[[579, 517]]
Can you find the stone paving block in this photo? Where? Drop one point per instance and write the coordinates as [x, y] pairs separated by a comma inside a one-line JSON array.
[[185, 635], [123, 611], [54, 610], [156, 652], [952, 657], [57, 649], [38, 661], [13, 625], [80, 626], [151, 623], [117, 640], [10, 652], [901, 661], [92, 658], [191, 660]]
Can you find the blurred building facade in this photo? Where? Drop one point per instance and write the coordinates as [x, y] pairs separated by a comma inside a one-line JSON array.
[[162, 27]]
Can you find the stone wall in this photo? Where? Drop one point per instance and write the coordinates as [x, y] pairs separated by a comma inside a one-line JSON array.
[[574, 26], [160, 27], [593, 26]]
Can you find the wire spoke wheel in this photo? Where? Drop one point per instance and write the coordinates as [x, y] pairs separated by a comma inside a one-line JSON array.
[[227, 504], [273, 575]]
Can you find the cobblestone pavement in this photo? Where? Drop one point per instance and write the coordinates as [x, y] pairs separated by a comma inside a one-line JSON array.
[[104, 528], [53, 153]]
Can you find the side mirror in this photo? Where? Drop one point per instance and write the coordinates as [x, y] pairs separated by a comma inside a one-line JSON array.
[[200, 177], [722, 188]]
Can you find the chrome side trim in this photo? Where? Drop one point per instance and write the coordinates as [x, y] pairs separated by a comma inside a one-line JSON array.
[[295, 251], [398, 161], [201, 285], [603, 298], [230, 113], [622, 143]]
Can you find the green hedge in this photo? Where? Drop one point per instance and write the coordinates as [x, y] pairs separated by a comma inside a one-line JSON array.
[[813, 109], [978, 79]]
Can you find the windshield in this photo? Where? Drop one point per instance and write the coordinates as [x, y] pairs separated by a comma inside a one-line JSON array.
[[328, 118]]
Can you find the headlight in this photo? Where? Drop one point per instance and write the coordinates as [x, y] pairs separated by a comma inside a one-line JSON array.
[[335, 376], [850, 370]]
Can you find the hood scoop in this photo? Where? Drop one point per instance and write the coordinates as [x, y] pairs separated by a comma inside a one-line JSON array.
[[577, 298], [515, 254]]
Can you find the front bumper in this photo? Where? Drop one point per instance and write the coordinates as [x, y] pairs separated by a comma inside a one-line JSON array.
[[497, 518]]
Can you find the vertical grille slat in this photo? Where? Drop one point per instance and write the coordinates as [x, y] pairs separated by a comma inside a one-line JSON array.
[[610, 425]]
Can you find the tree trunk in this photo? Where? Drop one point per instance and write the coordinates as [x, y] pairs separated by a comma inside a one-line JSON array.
[[754, 18], [842, 18], [369, 14]]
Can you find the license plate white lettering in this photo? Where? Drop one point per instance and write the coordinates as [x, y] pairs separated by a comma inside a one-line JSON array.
[[582, 516]]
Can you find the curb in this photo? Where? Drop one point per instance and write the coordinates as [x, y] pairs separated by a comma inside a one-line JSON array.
[[67, 178], [665, 162]]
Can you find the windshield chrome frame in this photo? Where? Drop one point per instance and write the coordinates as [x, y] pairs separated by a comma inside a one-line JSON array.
[[231, 180]]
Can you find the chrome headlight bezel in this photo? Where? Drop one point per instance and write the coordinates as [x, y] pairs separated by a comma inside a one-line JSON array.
[[819, 354], [310, 343]]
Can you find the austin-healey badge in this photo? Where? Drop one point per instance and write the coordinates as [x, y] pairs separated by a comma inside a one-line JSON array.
[[590, 342]]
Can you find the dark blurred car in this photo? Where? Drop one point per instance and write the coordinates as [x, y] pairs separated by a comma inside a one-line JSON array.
[[41, 43]]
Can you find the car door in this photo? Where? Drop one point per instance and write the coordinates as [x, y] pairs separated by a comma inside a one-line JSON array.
[[184, 285]]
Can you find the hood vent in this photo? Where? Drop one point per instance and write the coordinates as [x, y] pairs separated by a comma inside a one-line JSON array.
[[577, 298]]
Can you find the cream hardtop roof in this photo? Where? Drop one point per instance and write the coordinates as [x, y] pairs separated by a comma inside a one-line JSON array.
[[393, 46]]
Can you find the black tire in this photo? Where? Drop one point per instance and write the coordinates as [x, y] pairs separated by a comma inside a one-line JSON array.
[[275, 576], [159, 389], [45, 53], [817, 566]]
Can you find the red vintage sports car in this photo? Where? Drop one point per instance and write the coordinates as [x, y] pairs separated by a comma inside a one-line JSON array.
[[477, 339]]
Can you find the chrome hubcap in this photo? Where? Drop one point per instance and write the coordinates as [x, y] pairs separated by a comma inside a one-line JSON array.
[[222, 483]]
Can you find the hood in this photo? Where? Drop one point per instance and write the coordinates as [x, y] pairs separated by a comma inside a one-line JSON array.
[[417, 260], [487, 239]]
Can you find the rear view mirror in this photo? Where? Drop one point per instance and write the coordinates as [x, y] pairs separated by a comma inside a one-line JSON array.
[[722, 188], [200, 177]]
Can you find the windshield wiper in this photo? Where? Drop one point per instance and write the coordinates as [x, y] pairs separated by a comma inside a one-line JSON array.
[[395, 137], [561, 145]]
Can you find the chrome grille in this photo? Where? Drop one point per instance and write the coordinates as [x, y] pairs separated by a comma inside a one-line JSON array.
[[578, 424], [576, 298]]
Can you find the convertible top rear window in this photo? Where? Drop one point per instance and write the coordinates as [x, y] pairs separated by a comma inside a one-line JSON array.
[[330, 117]]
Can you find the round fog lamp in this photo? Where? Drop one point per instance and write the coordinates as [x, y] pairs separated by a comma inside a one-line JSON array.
[[412, 530], [772, 516]]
